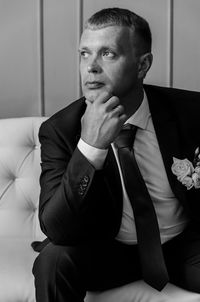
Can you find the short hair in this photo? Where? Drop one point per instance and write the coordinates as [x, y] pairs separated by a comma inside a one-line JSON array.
[[123, 17]]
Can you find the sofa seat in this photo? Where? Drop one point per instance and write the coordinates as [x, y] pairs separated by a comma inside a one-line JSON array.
[[16, 261], [139, 291], [17, 285], [19, 225]]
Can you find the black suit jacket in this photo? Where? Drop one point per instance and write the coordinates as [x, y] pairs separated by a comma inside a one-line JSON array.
[[78, 203]]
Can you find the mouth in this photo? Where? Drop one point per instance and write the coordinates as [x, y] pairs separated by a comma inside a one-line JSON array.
[[94, 84]]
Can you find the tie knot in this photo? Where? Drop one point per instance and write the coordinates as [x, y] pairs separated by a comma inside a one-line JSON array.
[[126, 136]]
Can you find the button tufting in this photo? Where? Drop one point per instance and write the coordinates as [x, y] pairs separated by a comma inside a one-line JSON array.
[[13, 177]]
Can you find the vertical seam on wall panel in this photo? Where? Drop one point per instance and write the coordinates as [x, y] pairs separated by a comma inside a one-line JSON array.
[[171, 42], [42, 81], [80, 29]]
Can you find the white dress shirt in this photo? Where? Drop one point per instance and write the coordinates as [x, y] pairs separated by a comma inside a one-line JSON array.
[[171, 217]]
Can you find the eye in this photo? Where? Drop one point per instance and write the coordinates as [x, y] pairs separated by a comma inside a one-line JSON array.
[[108, 54], [84, 54]]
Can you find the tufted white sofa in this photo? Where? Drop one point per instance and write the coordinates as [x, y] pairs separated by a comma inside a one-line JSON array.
[[19, 226]]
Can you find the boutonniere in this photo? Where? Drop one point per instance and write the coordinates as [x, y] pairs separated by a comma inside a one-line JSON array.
[[187, 172]]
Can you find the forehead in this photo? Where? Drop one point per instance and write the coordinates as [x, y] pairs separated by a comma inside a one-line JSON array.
[[111, 36]]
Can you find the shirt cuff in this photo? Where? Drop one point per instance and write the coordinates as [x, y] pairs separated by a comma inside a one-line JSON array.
[[94, 155]]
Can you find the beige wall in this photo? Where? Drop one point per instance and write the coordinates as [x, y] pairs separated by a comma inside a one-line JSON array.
[[39, 49]]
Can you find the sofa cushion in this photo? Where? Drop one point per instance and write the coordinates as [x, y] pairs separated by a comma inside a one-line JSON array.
[[19, 225], [16, 279], [17, 282], [139, 291], [19, 177]]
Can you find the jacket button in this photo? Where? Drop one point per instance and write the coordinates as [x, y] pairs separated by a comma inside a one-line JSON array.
[[83, 185], [86, 179], [80, 191]]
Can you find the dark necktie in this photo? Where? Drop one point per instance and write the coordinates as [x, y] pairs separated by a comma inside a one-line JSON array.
[[152, 262]]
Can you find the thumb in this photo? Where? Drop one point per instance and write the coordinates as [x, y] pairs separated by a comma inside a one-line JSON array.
[[88, 104]]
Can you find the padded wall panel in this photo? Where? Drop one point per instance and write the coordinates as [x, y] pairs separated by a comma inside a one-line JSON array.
[[186, 44], [19, 58], [61, 32]]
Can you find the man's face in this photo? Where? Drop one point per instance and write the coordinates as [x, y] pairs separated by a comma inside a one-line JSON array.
[[108, 62]]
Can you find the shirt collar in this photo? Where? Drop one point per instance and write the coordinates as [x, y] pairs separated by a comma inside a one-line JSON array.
[[141, 117]]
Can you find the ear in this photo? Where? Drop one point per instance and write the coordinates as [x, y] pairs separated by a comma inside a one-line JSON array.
[[144, 65]]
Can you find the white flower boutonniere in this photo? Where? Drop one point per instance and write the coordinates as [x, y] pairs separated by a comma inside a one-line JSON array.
[[188, 173]]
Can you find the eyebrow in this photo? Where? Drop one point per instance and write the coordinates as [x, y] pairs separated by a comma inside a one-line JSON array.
[[102, 48], [83, 48]]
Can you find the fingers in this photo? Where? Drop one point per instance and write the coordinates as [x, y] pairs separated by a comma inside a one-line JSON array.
[[123, 118], [100, 99], [114, 107], [109, 104], [103, 97], [118, 110], [112, 103]]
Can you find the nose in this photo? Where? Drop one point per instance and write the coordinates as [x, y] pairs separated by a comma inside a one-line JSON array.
[[94, 67]]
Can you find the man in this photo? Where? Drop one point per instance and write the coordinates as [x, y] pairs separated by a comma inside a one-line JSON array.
[[89, 209]]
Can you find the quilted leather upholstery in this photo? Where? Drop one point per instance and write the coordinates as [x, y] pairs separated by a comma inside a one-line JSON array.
[[19, 225]]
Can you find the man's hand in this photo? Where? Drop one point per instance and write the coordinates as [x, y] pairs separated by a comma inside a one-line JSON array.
[[102, 121]]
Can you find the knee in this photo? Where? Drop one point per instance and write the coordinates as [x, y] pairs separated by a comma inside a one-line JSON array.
[[191, 278], [187, 276], [54, 258]]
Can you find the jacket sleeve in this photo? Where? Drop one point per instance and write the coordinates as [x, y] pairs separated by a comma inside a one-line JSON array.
[[73, 195]]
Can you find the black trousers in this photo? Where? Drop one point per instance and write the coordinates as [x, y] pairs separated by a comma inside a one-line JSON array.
[[65, 273]]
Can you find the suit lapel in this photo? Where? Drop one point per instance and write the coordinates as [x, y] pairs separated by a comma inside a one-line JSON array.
[[168, 138]]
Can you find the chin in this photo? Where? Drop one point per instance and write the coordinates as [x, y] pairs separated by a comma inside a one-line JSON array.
[[91, 96]]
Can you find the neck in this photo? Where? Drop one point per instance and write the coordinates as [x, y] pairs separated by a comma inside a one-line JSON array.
[[132, 102]]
